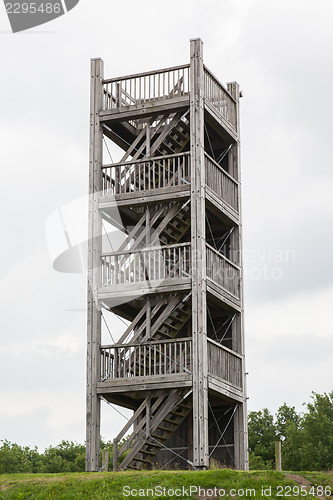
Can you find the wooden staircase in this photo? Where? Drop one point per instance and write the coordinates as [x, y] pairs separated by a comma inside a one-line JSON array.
[[154, 422], [164, 316], [170, 136]]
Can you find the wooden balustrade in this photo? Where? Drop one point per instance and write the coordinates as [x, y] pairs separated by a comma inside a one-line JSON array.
[[221, 183], [224, 272], [151, 173], [147, 359], [220, 98], [154, 263], [225, 363], [143, 87]]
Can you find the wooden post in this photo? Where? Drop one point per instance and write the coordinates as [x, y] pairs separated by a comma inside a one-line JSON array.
[[240, 417], [115, 455], [94, 258], [148, 415], [278, 462], [105, 460], [198, 248]]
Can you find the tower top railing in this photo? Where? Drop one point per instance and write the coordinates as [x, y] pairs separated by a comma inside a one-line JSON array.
[[164, 84]]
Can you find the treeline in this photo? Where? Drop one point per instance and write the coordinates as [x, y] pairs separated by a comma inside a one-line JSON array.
[[307, 438], [307, 443], [65, 457]]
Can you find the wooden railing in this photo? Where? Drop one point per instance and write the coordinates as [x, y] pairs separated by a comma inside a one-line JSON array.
[[147, 264], [147, 359], [151, 173], [224, 363], [224, 272], [143, 87], [220, 98], [221, 183]]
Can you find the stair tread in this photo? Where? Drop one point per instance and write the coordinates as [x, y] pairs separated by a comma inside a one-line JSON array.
[[142, 460], [159, 437]]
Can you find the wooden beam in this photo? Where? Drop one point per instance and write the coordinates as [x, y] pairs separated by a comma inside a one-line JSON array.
[[146, 109], [199, 309], [94, 252]]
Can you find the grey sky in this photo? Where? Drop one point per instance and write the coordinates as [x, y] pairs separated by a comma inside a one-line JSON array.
[[281, 54]]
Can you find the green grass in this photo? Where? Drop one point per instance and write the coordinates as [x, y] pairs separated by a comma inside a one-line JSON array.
[[109, 485]]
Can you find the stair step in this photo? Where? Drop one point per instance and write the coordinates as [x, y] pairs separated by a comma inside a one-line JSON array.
[[148, 452], [142, 460], [157, 445], [183, 136], [166, 429], [177, 413], [174, 422], [156, 436]]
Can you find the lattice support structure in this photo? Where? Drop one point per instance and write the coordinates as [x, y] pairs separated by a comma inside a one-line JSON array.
[[165, 257]]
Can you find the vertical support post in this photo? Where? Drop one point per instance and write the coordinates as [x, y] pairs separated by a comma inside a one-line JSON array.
[[94, 257], [148, 415], [148, 318], [115, 454], [240, 417], [278, 462], [148, 134], [198, 249], [105, 460]]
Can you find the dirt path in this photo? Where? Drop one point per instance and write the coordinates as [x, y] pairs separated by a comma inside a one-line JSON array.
[[303, 482]]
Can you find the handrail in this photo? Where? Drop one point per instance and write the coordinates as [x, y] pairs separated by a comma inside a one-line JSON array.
[[152, 358], [225, 348], [150, 342], [146, 264], [217, 81], [223, 257], [145, 87], [145, 249], [221, 168], [131, 420], [145, 160], [223, 271], [146, 73], [221, 183], [225, 364], [155, 172], [218, 96]]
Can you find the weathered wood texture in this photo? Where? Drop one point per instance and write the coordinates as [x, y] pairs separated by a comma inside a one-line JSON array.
[[94, 253], [199, 306], [175, 195]]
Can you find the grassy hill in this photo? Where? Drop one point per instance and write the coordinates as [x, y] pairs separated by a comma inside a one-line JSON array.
[[177, 484]]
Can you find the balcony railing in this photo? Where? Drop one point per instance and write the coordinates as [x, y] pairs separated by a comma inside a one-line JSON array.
[[166, 84], [224, 363], [220, 98], [167, 357], [136, 89], [141, 175], [224, 272], [167, 262], [148, 264], [149, 359], [221, 183]]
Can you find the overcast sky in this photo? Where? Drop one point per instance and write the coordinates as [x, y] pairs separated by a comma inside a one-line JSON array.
[[280, 52]]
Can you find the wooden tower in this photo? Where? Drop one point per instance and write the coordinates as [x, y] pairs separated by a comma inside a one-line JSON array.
[[176, 273]]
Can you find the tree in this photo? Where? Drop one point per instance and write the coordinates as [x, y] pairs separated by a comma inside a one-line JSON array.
[[262, 435], [317, 446], [65, 457], [284, 416], [15, 458]]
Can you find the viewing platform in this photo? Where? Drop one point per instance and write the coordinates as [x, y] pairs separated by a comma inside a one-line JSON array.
[[163, 91]]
